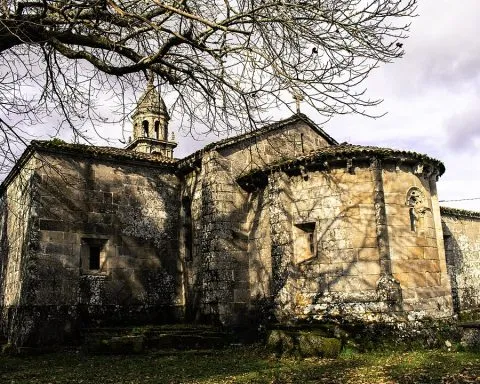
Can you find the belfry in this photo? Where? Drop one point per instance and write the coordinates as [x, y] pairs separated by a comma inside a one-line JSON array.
[[150, 125]]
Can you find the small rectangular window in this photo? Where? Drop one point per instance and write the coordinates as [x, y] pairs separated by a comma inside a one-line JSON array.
[[94, 258], [304, 241], [93, 255]]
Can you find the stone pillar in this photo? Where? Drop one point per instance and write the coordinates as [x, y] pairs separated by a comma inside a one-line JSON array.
[[281, 241]]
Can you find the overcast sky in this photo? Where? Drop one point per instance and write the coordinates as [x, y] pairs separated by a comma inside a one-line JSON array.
[[431, 96]]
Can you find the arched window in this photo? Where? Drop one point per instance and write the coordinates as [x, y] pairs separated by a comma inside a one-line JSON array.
[[157, 129], [416, 210], [145, 128]]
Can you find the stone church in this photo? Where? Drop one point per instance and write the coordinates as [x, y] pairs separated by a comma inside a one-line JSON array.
[[280, 224]]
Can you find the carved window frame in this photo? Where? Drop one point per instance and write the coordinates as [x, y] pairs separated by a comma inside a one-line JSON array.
[[415, 201]]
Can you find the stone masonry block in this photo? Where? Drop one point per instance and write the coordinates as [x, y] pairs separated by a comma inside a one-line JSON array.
[[361, 241], [433, 279], [362, 268], [407, 280], [366, 254], [431, 253]]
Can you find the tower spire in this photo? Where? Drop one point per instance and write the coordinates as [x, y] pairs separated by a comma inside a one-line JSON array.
[[150, 124]]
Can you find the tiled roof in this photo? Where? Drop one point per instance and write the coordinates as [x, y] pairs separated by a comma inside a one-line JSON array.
[[86, 151], [268, 128], [448, 211], [271, 127], [348, 151], [106, 153], [333, 152]]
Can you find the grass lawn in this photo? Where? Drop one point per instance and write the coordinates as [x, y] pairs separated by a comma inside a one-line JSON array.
[[242, 365]]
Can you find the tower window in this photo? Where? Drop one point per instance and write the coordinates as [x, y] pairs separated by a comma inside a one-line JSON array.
[[145, 128], [157, 129], [165, 133]]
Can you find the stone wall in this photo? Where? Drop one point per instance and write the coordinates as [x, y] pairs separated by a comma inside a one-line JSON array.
[[17, 254], [229, 269], [217, 283], [416, 243], [259, 251], [461, 231], [342, 243], [324, 243], [106, 246]]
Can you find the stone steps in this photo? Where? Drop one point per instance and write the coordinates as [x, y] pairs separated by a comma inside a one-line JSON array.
[[124, 340]]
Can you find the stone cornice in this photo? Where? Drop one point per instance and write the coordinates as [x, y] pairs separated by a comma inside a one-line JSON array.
[[150, 140], [346, 153], [59, 147]]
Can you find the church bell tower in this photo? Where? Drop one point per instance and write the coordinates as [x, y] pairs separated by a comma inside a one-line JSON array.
[[150, 125]]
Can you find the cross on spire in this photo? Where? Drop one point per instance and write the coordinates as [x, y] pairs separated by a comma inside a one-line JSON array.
[[150, 80], [298, 97]]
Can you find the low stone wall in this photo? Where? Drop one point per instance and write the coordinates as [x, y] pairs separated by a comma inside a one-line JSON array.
[[461, 231]]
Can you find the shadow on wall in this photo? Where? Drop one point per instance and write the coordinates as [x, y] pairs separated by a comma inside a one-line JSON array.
[[332, 266], [126, 218], [325, 259]]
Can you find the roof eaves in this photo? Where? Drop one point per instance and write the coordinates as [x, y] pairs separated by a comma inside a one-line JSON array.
[[26, 155], [448, 211], [224, 143], [104, 153], [340, 152]]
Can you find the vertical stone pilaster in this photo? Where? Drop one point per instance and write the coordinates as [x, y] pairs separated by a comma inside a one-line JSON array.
[[223, 246], [281, 240], [381, 218], [388, 289]]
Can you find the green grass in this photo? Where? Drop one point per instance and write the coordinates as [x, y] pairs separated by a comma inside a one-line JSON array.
[[242, 365]]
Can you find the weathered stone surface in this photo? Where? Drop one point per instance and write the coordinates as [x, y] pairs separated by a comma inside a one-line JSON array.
[[462, 247], [283, 224], [303, 343]]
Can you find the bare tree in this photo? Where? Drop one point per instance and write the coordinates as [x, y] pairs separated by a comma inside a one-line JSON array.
[[225, 63]]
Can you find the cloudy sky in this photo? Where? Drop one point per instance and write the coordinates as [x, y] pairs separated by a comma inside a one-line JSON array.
[[431, 96]]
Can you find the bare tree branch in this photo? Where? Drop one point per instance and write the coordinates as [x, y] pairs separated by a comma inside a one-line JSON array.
[[224, 63]]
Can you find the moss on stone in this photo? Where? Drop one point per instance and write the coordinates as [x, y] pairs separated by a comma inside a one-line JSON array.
[[311, 344], [303, 344], [116, 345]]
